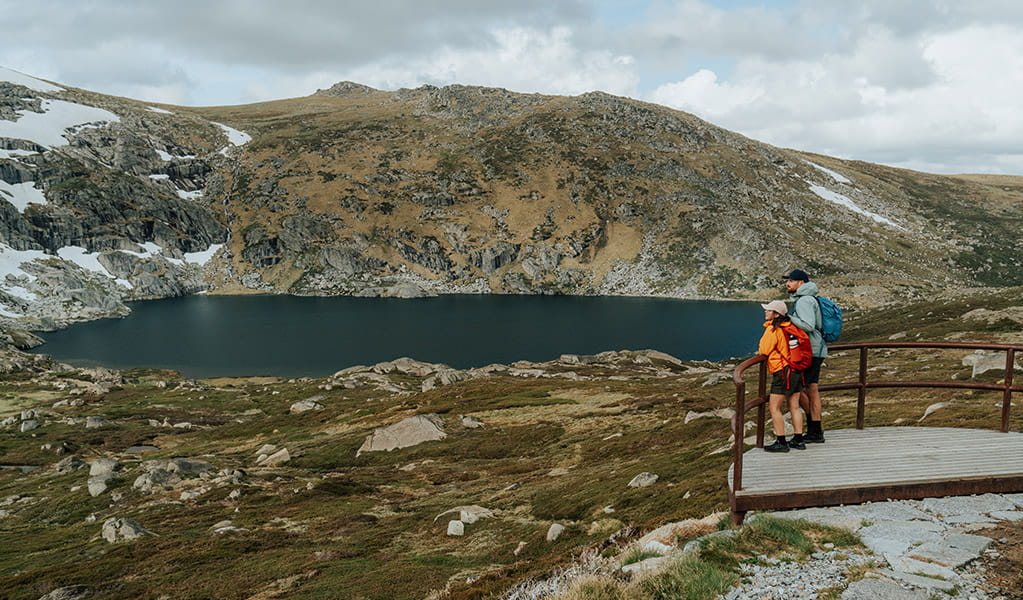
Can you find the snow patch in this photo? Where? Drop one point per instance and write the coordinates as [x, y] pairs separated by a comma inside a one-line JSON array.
[[81, 257], [158, 110], [30, 82], [15, 153], [21, 194], [49, 127], [834, 175], [164, 156], [235, 137], [11, 261], [203, 257], [189, 195], [159, 176], [841, 200]]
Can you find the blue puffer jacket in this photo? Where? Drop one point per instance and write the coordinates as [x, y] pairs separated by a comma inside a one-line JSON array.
[[806, 315]]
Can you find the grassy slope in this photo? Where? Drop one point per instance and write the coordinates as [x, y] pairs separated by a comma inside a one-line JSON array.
[[329, 524]]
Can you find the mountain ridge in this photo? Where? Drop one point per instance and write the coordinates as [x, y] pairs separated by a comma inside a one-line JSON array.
[[462, 189]]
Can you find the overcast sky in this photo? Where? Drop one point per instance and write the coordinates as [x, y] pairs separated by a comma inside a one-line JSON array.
[[933, 85]]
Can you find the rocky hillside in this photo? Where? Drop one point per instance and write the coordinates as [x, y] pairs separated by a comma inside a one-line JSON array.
[[457, 189]]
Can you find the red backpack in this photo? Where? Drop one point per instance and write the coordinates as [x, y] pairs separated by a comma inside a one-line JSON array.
[[800, 350]]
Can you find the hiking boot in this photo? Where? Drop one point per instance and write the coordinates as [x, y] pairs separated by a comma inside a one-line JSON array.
[[797, 444], [778, 446], [816, 437]]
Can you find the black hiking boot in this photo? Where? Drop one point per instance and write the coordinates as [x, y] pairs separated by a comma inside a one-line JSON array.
[[815, 437], [777, 446], [797, 443]]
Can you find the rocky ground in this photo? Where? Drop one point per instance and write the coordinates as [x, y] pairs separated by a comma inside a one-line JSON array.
[[407, 479]]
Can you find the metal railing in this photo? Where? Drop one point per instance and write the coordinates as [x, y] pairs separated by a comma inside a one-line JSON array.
[[862, 384]]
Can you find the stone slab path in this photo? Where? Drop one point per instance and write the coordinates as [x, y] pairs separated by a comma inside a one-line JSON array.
[[924, 548]]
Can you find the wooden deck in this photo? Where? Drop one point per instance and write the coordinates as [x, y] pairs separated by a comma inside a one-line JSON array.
[[881, 463]]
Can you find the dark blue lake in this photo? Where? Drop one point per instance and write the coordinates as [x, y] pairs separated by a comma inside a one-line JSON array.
[[289, 336]]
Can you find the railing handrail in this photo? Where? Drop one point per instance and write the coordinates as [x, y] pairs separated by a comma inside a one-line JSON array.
[[862, 385]]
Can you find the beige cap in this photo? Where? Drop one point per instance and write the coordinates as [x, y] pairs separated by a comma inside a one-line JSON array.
[[777, 306]]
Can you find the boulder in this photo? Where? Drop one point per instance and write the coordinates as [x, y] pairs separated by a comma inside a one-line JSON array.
[[456, 527], [670, 533], [407, 432], [309, 404], [103, 467], [123, 530], [70, 464], [982, 362], [71, 592], [471, 422], [154, 480], [555, 531], [96, 422], [643, 480], [29, 425], [277, 458]]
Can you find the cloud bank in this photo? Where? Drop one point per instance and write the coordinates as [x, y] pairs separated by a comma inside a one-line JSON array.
[[924, 84]]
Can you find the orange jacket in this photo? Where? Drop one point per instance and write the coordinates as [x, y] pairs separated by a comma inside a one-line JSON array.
[[775, 346]]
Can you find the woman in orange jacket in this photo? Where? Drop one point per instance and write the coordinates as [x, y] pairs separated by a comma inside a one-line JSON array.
[[785, 383]]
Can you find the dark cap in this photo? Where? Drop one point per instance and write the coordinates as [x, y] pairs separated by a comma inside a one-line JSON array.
[[797, 275]]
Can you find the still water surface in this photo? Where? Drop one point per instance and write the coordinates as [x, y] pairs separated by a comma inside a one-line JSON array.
[[289, 336]]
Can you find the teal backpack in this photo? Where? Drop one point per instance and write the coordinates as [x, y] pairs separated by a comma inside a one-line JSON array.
[[831, 319]]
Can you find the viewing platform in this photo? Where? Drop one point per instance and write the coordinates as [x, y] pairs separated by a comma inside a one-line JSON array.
[[876, 463], [882, 463]]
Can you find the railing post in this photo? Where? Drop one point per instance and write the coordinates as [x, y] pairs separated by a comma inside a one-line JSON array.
[[861, 400], [761, 398], [738, 425], [1010, 365]]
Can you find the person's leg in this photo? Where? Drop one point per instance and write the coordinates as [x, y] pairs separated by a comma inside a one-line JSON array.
[[814, 431], [774, 402], [795, 414], [814, 393]]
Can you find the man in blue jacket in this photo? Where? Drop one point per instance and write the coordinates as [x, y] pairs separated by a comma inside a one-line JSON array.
[[806, 315]]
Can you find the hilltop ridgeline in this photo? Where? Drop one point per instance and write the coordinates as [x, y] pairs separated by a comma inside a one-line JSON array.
[[357, 191]]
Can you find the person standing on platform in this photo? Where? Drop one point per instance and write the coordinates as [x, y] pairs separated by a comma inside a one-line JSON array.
[[806, 315], [780, 345]]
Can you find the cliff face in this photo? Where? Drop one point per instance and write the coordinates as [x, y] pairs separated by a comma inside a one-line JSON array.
[[457, 189]]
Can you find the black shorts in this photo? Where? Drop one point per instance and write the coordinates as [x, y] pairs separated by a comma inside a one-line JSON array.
[[813, 372], [787, 382]]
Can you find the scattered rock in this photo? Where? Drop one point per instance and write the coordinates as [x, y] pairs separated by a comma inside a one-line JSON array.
[[309, 404], [721, 413], [468, 514], [643, 480], [71, 592], [471, 422], [156, 479], [70, 464], [456, 527], [932, 408], [518, 549], [408, 432], [277, 458], [29, 425], [982, 362], [654, 563], [554, 531], [123, 530], [876, 589], [670, 533], [96, 422]]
